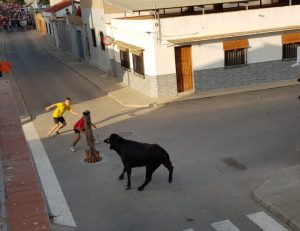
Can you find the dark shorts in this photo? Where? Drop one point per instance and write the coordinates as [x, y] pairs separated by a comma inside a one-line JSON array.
[[77, 131], [59, 120]]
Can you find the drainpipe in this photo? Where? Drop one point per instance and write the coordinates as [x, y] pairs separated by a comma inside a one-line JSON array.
[[157, 25]]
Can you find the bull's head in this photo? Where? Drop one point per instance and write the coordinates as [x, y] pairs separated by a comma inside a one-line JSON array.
[[114, 140]]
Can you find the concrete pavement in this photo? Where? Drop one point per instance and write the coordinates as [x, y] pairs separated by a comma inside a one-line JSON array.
[[279, 193]]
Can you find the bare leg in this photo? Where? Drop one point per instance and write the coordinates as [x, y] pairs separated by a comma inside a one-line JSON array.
[[60, 127], [76, 139], [53, 129]]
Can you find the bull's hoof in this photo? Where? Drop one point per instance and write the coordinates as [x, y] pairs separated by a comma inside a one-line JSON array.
[[140, 188], [121, 177], [128, 188]]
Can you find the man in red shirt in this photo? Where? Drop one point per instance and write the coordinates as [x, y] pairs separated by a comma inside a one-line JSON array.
[[78, 128]]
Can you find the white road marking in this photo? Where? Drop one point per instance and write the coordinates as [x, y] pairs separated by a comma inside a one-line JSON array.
[[265, 222], [189, 230], [225, 225], [54, 195]]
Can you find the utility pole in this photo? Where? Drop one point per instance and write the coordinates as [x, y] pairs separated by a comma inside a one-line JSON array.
[[92, 155]]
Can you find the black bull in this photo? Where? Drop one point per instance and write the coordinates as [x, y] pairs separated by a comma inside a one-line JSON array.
[[135, 154]]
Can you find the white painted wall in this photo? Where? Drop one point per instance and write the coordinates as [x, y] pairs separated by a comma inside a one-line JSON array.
[[159, 56], [262, 49], [207, 56], [138, 33], [94, 19], [229, 22]]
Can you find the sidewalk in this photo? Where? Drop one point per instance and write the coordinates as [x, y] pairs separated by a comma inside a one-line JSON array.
[[280, 194]]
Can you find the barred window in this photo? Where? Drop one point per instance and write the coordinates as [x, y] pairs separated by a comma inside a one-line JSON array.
[[289, 51], [138, 64], [235, 57], [124, 56]]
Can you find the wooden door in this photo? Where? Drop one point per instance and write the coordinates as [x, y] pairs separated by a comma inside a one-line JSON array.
[[184, 72]]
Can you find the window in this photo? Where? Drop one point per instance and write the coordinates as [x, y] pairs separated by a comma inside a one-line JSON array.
[[124, 56], [289, 51], [235, 57], [102, 40], [94, 37], [138, 64], [290, 42], [235, 52]]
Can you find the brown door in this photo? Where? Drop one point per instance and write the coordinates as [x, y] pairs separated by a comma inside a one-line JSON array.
[[184, 68]]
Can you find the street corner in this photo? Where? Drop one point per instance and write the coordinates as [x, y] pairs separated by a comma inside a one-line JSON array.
[[279, 194]]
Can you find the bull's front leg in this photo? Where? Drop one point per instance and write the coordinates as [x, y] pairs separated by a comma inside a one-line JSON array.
[[128, 170]]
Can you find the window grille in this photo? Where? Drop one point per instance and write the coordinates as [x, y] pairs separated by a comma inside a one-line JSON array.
[[235, 57]]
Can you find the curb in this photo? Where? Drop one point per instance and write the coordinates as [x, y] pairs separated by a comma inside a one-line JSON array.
[[111, 95], [279, 213], [283, 183]]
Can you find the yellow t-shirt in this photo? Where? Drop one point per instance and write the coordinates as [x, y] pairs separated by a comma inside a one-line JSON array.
[[60, 110]]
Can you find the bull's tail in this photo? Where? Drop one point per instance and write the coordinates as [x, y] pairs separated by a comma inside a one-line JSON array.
[[168, 164]]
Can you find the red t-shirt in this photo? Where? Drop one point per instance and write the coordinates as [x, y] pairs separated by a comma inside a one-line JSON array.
[[79, 125]]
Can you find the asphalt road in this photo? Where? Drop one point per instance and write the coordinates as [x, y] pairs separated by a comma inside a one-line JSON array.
[[222, 149]]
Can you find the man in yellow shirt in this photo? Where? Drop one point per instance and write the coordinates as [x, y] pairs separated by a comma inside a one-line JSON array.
[[59, 120]]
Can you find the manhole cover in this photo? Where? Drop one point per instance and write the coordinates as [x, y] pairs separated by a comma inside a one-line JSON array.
[[234, 163]]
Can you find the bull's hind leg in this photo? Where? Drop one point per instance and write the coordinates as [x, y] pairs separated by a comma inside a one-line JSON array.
[[149, 172], [128, 170], [121, 177], [170, 167]]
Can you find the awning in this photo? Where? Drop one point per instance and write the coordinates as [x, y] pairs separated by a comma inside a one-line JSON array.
[[290, 38], [196, 39], [128, 47], [235, 44]]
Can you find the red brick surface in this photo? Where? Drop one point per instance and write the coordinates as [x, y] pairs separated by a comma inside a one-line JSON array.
[[25, 204]]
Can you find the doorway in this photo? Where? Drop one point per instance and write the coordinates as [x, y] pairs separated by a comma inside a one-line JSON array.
[[184, 71]]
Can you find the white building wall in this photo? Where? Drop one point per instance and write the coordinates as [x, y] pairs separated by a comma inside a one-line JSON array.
[[261, 49], [229, 22], [138, 33], [94, 19], [264, 48], [159, 56], [207, 56]]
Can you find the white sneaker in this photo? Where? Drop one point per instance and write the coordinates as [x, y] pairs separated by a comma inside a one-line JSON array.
[[72, 149]]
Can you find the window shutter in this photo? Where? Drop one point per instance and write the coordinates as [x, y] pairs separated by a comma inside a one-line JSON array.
[[235, 44], [290, 38]]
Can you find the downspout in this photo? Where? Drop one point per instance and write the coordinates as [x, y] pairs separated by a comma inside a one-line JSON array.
[[157, 25]]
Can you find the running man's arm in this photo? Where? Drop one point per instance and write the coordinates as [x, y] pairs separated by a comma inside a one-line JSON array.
[[51, 106], [74, 112]]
